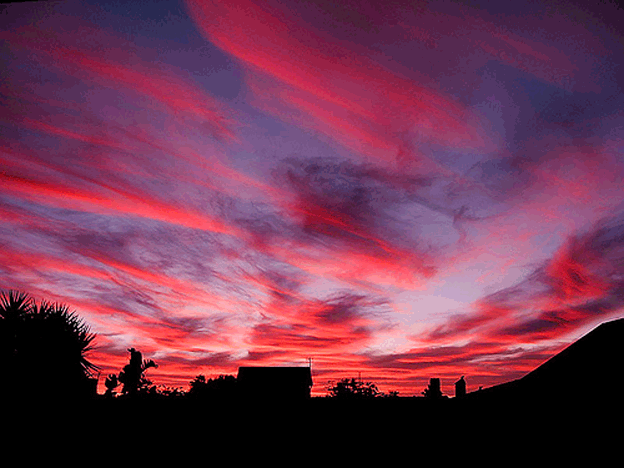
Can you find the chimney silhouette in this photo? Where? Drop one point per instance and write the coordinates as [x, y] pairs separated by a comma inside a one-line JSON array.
[[460, 388]]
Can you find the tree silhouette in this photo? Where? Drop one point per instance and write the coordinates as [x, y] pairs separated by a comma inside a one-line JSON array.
[[433, 391], [353, 389], [198, 383], [43, 346], [133, 374]]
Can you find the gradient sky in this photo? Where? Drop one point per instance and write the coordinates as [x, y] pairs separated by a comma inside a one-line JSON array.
[[399, 190]]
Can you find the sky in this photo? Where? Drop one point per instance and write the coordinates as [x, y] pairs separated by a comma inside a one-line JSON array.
[[393, 191]]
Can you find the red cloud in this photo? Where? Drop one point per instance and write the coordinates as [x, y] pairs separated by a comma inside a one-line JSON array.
[[325, 329], [572, 273], [339, 91], [483, 363], [100, 197], [579, 285]]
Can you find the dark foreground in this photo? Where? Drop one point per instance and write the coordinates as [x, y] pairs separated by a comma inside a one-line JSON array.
[[323, 431], [383, 420]]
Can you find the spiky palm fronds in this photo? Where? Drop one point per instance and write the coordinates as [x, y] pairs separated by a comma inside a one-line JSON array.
[[42, 344], [67, 332], [13, 308], [14, 305]]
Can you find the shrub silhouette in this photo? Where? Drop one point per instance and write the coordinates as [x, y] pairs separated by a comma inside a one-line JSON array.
[[111, 384], [43, 348]]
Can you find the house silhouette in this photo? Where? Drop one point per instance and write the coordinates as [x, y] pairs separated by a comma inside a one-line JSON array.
[[283, 383]]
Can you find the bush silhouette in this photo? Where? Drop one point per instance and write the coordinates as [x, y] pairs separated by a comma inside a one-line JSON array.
[[43, 348]]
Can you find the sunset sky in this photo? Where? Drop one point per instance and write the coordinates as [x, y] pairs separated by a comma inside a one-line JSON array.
[[398, 190]]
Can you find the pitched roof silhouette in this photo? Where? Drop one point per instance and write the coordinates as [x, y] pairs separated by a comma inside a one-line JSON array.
[[588, 369], [282, 382]]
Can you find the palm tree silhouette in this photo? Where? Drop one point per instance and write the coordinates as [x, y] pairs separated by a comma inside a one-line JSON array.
[[43, 346]]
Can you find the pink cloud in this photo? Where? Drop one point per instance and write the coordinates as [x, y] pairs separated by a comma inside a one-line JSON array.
[[119, 67], [347, 95]]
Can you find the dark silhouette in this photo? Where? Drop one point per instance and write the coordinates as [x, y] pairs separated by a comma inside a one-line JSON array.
[[111, 384], [272, 383], [43, 349], [353, 389], [460, 388], [586, 372], [164, 391], [223, 387], [133, 374], [433, 391]]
